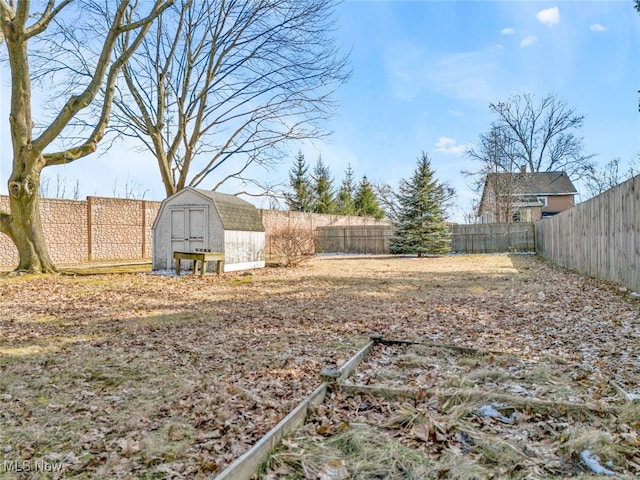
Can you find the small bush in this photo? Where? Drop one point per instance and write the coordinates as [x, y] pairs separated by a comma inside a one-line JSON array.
[[292, 245]]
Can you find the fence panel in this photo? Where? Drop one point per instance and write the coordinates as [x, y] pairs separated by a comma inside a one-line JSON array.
[[492, 238], [599, 237], [372, 239]]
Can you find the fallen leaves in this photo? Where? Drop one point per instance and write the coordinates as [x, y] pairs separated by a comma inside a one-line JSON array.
[[499, 415], [136, 373]]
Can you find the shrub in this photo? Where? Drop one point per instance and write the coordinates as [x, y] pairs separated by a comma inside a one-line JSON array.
[[292, 245]]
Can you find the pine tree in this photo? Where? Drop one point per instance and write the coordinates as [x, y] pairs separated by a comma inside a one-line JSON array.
[[366, 201], [344, 201], [300, 200], [324, 201], [421, 226]]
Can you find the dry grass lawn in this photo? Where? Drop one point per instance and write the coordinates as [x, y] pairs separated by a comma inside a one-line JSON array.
[[145, 376]]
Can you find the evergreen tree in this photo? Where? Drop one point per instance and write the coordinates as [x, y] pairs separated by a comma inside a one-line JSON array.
[[300, 200], [421, 226], [366, 201], [344, 201], [324, 201]]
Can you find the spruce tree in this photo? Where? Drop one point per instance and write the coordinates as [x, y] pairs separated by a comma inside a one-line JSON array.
[[344, 201], [366, 202], [300, 200], [421, 226], [324, 201]]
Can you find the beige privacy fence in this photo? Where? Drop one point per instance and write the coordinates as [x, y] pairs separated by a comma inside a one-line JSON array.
[[92, 230], [111, 229], [599, 237]]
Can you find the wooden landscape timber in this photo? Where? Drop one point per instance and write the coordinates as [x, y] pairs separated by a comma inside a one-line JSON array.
[[476, 400], [246, 466], [475, 395]]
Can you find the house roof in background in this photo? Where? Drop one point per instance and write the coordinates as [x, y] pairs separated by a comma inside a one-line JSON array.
[[541, 183]]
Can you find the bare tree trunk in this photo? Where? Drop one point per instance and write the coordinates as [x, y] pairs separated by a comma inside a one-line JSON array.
[[25, 225]]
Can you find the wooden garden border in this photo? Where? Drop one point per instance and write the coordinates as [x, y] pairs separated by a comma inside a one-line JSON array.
[[246, 465]]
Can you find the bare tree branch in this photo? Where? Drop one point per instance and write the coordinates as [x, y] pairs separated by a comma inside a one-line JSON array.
[[542, 135], [77, 103], [230, 81], [45, 19]]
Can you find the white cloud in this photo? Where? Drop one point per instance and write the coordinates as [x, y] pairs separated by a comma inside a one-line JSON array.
[[508, 31], [450, 146], [549, 16], [596, 27], [528, 41]]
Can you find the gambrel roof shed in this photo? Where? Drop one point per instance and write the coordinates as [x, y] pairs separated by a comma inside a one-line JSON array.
[[235, 213], [201, 219]]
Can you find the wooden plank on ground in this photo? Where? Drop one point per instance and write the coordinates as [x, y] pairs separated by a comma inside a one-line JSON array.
[[475, 395], [245, 466], [348, 368]]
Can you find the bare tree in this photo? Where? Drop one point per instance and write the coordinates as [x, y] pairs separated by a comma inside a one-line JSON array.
[[499, 178], [34, 146], [219, 85], [598, 180], [388, 199], [59, 189], [541, 136], [526, 136]]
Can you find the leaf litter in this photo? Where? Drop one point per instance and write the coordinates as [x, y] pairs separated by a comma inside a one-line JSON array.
[[146, 376], [429, 411]]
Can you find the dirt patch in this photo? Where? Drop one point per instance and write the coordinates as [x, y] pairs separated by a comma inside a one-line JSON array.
[[144, 376]]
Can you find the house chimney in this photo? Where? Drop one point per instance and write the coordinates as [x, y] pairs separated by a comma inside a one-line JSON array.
[[523, 169]]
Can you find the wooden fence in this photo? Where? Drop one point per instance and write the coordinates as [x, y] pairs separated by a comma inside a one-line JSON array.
[[485, 238], [372, 239], [599, 238], [492, 238]]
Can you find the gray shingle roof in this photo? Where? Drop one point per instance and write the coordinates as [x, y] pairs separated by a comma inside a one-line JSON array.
[[542, 183], [235, 213]]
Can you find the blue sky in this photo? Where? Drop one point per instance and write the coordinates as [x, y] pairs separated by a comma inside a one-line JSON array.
[[424, 73]]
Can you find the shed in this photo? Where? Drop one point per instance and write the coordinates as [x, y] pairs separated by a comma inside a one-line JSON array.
[[201, 219]]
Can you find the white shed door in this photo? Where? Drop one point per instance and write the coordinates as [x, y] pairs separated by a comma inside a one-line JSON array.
[[189, 227]]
